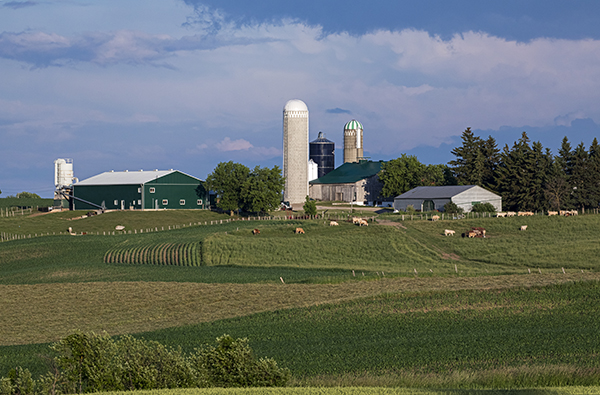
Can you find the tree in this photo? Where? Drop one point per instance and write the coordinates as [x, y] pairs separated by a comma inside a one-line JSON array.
[[310, 207], [452, 208], [556, 192], [28, 195], [405, 173], [261, 192], [484, 208], [476, 161], [227, 180]]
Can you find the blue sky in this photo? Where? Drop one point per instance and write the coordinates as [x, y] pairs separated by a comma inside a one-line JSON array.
[[186, 84]]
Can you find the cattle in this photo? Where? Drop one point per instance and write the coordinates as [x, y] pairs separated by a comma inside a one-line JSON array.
[[510, 213], [573, 212], [333, 223], [255, 232], [449, 232], [299, 231], [471, 233], [525, 214], [523, 227], [550, 213], [563, 212], [501, 215], [435, 218], [363, 222], [356, 220]]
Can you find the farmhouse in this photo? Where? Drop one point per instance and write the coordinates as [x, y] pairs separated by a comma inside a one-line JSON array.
[[351, 182], [140, 190], [434, 198]]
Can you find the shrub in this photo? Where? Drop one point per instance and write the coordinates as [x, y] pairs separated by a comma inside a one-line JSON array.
[[410, 209], [310, 207], [18, 382], [484, 208], [452, 208], [233, 364]]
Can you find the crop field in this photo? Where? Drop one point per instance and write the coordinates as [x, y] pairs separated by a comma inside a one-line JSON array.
[[365, 391], [346, 306]]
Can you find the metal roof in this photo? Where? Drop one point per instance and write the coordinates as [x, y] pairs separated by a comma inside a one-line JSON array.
[[353, 125], [350, 173], [126, 177], [438, 192]]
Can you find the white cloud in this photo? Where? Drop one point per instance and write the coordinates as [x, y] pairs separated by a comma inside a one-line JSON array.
[[233, 145]]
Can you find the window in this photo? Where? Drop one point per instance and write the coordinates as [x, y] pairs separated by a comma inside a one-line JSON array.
[[152, 190], [116, 202], [139, 202], [140, 190], [165, 202], [182, 202], [199, 202]]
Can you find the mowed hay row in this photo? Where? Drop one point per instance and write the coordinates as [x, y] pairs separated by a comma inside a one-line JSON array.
[[184, 254]]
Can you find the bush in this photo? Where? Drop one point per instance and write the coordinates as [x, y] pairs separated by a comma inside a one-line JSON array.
[[18, 382], [483, 208], [99, 363], [310, 207], [233, 364], [452, 208], [410, 209]]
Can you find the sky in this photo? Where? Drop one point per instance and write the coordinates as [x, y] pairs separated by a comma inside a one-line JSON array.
[[186, 84]]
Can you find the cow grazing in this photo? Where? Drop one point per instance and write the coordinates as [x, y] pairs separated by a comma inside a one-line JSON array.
[[550, 213], [449, 232], [510, 213], [363, 222], [501, 215], [333, 223], [255, 232], [523, 227], [299, 231], [356, 220], [435, 218]]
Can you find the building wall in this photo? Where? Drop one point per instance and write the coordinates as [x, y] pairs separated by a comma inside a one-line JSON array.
[[295, 156], [402, 204], [366, 191], [114, 197]]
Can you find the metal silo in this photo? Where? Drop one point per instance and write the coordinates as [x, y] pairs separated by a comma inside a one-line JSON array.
[[322, 153]]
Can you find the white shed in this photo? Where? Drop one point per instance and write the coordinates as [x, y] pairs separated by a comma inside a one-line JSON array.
[[434, 198]]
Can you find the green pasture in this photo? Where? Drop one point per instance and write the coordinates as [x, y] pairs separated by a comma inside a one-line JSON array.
[[364, 391], [482, 338]]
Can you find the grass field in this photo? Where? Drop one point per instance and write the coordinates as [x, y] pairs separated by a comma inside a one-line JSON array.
[[420, 309], [366, 391]]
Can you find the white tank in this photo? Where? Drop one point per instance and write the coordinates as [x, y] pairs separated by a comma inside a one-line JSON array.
[[313, 170], [63, 173]]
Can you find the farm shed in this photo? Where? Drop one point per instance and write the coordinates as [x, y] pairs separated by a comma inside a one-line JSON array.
[[356, 181], [141, 190], [434, 198]]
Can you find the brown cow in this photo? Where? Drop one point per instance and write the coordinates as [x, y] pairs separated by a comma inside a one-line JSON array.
[[299, 230], [255, 232]]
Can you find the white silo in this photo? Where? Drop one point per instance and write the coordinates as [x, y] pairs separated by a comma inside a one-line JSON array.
[[295, 151], [353, 139], [63, 173]]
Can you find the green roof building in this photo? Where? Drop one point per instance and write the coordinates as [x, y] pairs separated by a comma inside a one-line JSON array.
[[351, 182], [140, 190]]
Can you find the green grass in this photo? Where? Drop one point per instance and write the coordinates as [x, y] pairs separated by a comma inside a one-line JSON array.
[[470, 338], [364, 391]]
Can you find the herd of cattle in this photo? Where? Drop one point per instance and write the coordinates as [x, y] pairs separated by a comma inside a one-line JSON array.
[[355, 221], [565, 213]]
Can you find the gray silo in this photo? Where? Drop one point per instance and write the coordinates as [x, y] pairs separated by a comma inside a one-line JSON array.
[[322, 153], [295, 151], [353, 141]]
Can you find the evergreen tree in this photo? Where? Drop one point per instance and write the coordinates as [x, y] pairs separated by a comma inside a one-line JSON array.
[[468, 167], [516, 174], [476, 161], [579, 177], [593, 175]]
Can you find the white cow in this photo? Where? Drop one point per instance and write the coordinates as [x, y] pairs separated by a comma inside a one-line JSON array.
[[449, 232], [523, 227], [333, 223]]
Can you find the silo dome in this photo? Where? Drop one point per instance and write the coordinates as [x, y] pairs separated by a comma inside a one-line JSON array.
[[353, 125], [295, 105]]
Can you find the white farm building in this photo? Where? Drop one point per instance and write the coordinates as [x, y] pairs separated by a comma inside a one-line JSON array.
[[434, 198]]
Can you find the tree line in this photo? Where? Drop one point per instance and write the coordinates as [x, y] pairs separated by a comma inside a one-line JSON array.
[[527, 175]]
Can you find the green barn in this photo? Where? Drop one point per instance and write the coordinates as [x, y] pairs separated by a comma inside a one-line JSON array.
[[140, 190]]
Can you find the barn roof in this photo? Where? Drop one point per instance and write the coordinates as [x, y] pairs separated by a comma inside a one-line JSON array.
[[350, 173], [438, 192], [126, 177]]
